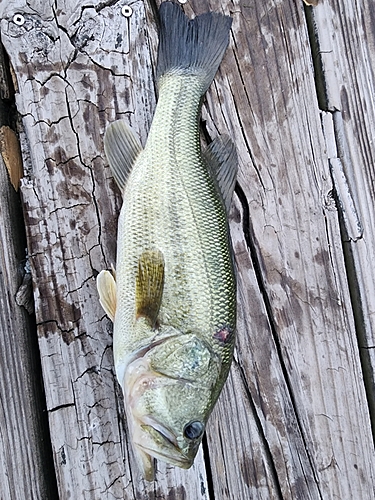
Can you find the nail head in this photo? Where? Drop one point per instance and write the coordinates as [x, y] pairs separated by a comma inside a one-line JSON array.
[[126, 11], [18, 19]]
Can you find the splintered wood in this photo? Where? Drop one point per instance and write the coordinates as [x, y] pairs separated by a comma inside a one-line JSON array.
[[11, 153], [293, 421]]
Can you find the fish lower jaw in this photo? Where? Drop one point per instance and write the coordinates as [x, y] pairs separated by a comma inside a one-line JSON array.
[[178, 461]]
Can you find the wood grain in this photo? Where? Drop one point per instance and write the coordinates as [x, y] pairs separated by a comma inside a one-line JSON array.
[[348, 60], [293, 420], [26, 469]]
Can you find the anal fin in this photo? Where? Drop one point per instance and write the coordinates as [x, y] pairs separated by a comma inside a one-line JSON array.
[[106, 285], [149, 285]]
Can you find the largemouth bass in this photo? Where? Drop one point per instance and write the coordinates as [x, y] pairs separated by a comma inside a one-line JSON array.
[[173, 299]]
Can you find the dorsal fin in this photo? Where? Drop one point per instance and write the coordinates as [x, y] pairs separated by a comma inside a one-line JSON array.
[[122, 148], [149, 285], [221, 159]]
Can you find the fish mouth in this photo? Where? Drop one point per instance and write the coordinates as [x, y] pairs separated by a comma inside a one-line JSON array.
[[183, 463], [160, 443]]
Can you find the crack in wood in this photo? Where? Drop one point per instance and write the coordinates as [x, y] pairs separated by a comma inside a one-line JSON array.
[[248, 236]]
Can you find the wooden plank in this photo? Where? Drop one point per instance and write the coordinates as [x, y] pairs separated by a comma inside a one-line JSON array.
[[26, 470], [292, 421], [345, 40], [255, 412]]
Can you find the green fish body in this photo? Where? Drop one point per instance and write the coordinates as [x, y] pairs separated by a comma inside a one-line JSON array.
[[173, 302]]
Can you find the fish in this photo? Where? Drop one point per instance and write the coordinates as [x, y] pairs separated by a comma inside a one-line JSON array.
[[172, 298]]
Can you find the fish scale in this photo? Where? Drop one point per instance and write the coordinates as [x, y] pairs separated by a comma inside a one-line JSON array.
[[196, 214], [173, 302]]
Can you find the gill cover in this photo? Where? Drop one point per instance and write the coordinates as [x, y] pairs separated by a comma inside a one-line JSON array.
[[168, 395]]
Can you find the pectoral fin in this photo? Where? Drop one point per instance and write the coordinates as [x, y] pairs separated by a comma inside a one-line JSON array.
[[106, 286], [149, 285], [122, 148], [221, 159]]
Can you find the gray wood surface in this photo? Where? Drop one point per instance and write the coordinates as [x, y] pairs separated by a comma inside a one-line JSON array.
[[296, 93], [26, 468]]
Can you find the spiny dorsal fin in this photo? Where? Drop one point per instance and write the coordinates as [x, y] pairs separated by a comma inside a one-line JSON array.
[[149, 285], [106, 285], [122, 148], [221, 159]]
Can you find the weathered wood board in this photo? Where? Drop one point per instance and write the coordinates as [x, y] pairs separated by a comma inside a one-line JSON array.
[[293, 421], [24, 442], [346, 54]]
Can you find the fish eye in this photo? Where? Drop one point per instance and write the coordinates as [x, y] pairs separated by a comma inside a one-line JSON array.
[[193, 430]]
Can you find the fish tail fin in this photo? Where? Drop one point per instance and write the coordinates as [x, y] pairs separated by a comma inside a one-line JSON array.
[[191, 47]]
